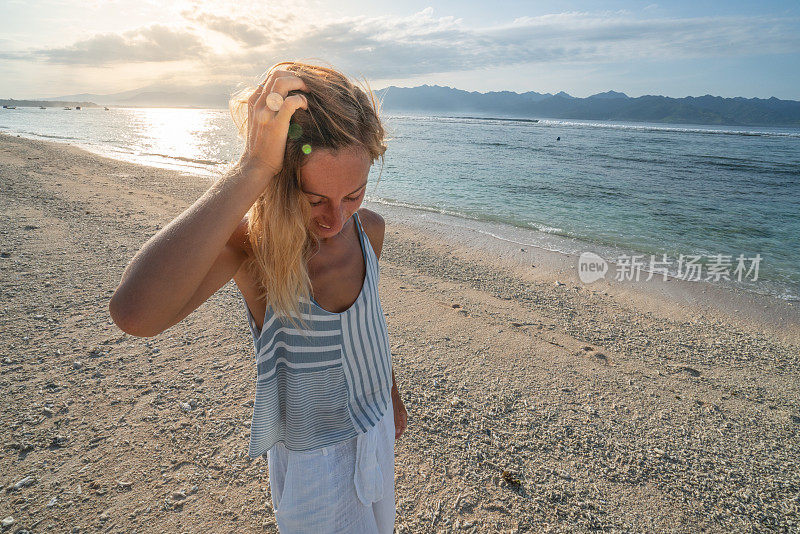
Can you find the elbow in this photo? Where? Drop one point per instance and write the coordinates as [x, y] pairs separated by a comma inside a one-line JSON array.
[[127, 321]]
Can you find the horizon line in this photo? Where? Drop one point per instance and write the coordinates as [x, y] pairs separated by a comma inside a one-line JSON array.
[[625, 95]]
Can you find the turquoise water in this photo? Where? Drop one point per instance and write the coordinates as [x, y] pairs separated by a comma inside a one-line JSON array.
[[648, 189]]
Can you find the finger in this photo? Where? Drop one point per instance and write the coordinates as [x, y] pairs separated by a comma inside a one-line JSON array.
[[251, 102], [267, 86], [261, 116], [261, 101], [290, 105], [266, 83], [275, 75], [284, 84], [263, 87], [257, 93]]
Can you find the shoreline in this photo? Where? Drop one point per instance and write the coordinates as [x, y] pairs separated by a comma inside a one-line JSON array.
[[557, 255], [533, 407], [470, 238], [525, 236]]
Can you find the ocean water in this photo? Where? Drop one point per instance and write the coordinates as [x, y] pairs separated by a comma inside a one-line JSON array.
[[614, 188]]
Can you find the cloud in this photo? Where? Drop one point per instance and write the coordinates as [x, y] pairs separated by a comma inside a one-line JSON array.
[[244, 32], [155, 43], [612, 38], [18, 56], [395, 47], [423, 43]]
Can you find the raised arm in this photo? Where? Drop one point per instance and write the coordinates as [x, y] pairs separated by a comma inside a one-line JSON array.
[[195, 250]]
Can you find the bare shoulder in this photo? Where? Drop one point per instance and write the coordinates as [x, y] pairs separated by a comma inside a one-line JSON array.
[[371, 219], [375, 227]]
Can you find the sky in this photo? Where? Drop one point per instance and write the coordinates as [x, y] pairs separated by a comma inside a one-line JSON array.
[[677, 48]]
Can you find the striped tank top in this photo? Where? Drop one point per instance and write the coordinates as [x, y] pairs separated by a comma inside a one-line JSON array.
[[327, 383]]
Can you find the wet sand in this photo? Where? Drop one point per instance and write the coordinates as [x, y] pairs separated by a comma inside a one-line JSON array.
[[534, 406]]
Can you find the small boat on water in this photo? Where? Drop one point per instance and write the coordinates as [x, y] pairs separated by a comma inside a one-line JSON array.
[[10, 107], [42, 107], [77, 107], [106, 109], [65, 107]]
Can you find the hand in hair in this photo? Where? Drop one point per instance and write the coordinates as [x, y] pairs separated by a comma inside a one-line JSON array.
[[267, 129]]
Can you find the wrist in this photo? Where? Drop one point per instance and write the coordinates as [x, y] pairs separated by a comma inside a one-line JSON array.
[[253, 167]]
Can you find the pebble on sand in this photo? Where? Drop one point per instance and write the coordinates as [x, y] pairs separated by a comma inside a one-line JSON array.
[[25, 482]]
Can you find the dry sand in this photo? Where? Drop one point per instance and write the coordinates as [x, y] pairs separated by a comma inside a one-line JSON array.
[[534, 407]]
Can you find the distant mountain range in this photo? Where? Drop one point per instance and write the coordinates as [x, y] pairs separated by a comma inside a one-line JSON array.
[[437, 100], [608, 106], [205, 96]]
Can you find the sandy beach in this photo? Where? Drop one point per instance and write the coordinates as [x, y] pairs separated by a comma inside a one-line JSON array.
[[536, 403]]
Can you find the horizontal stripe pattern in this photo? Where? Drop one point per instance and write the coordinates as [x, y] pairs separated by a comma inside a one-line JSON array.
[[293, 408], [318, 386]]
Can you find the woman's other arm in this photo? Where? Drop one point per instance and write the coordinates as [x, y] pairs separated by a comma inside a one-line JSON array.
[[400, 413]]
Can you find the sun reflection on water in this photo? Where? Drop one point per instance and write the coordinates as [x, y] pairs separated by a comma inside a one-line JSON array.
[[173, 133]]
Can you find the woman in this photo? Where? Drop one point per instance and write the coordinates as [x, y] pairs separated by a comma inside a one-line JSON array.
[[285, 225]]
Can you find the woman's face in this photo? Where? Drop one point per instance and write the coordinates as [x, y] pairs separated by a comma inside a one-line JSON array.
[[334, 184]]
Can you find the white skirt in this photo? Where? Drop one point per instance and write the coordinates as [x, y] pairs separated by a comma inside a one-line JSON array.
[[347, 487]]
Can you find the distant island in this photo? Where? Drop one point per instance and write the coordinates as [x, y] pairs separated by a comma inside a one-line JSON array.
[[437, 100], [608, 106], [46, 103]]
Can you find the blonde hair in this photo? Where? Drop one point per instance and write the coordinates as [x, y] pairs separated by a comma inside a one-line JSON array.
[[340, 115]]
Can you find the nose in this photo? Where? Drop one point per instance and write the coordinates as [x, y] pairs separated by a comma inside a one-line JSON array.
[[336, 216]]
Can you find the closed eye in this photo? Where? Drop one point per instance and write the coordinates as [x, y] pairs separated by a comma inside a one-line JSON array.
[[353, 198], [346, 199]]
